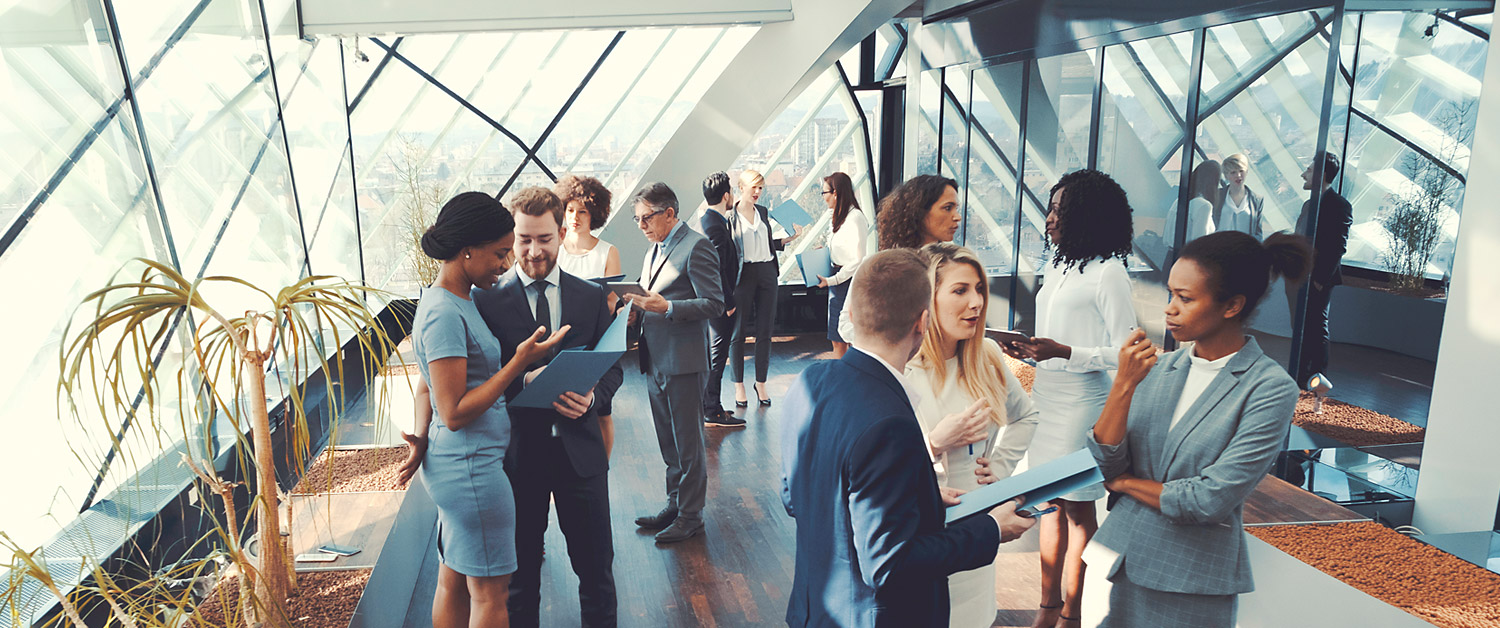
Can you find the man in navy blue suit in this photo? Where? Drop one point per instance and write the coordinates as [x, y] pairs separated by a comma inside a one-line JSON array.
[[555, 455], [715, 224], [872, 547]]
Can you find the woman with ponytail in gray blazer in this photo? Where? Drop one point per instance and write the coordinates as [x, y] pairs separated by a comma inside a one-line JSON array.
[[1182, 445]]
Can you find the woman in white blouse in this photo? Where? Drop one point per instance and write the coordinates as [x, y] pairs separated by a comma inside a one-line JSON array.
[[586, 207], [972, 409], [755, 297], [1083, 314], [846, 248]]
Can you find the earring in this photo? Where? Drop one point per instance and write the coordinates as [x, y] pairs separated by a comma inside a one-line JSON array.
[[466, 256]]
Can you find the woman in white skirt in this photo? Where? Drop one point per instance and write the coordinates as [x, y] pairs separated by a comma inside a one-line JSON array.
[[973, 411], [1083, 314]]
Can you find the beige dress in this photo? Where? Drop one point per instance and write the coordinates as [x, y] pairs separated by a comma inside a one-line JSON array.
[[971, 593]]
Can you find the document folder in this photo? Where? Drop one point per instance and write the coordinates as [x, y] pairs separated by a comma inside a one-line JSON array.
[[815, 263], [1043, 483], [576, 370], [790, 214]]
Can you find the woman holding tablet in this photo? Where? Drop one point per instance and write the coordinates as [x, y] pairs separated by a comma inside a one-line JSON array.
[[1083, 312], [972, 407], [1186, 442]]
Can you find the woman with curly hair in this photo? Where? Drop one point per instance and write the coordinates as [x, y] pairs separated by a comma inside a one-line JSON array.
[[585, 208], [919, 212], [1083, 313]]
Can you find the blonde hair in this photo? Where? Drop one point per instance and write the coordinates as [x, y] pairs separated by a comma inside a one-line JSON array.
[[981, 368], [1237, 160], [751, 178]]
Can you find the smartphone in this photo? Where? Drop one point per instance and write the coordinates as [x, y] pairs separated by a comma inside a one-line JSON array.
[[1029, 513], [1005, 336], [340, 550], [316, 557]]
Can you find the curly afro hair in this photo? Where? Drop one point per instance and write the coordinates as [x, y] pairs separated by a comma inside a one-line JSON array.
[[1093, 217], [903, 211], [588, 190]]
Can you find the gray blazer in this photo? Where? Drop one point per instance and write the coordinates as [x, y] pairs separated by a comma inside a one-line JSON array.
[[1208, 465], [689, 278]]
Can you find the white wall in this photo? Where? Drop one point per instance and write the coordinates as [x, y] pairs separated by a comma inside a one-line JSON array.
[[1459, 485], [341, 17]]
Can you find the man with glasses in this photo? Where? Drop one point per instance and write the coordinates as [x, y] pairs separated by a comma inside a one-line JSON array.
[[681, 278]]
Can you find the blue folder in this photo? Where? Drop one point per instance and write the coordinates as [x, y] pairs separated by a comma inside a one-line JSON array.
[[576, 370], [815, 263], [790, 214], [1043, 483]]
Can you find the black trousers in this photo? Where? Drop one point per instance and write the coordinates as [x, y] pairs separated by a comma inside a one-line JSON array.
[[720, 336], [583, 513], [1314, 355], [756, 299]]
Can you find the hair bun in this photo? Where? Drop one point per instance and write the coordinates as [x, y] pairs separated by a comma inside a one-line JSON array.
[[434, 246]]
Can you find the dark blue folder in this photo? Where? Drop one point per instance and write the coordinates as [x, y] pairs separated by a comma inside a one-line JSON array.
[[576, 370], [1043, 483]]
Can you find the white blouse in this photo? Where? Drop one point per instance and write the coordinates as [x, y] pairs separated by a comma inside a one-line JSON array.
[[590, 265], [1201, 373], [847, 246], [1089, 310], [1004, 447], [755, 238]]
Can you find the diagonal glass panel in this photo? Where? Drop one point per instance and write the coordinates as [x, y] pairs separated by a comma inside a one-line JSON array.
[[62, 85], [994, 156]]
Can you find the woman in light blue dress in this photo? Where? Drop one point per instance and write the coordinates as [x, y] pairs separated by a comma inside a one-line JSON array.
[[463, 383]]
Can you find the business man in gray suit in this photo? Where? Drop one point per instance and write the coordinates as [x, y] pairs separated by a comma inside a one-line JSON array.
[[681, 277]]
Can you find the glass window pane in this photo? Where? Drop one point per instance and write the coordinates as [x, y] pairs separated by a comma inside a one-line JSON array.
[[990, 209]]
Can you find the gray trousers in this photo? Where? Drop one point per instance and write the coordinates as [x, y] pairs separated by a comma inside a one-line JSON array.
[[676, 404]]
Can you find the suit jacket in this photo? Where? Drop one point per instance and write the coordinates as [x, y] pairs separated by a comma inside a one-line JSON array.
[[737, 227], [717, 228], [689, 278], [1208, 465], [1257, 207], [510, 317], [1335, 217], [872, 548]]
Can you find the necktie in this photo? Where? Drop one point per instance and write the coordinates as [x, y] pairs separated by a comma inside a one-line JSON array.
[[543, 308]]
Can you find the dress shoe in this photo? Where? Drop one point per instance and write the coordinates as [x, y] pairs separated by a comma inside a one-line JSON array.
[[680, 530], [659, 520], [722, 419]]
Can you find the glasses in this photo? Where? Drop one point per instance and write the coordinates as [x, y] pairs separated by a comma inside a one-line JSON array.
[[827, 192], [640, 219]]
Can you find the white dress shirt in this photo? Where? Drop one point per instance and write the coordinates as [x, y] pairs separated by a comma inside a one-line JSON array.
[[1236, 216], [553, 293], [1089, 310], [846, 247], [755, 237], [1200, 374]]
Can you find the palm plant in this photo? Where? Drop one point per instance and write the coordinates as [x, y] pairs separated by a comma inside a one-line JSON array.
[[113, 360]]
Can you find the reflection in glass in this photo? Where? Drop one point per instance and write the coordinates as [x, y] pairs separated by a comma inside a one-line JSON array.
[[990, 216]]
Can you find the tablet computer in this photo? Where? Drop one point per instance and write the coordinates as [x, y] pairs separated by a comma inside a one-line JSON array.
[[1005, 336], [623, 288]]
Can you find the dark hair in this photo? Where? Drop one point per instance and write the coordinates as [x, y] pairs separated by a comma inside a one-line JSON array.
[[587, 190], [889, 293], [1205, 181], [1238, 264], [538, 201], [657, 195], [1330, 167], [469, 219], [1094, 218], [843, 197], [715, 186], [903, 211]]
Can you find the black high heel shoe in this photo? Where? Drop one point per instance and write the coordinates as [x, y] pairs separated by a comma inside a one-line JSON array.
[[741, 404], [765, 402]]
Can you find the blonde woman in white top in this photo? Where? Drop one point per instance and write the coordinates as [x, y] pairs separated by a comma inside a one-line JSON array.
[[1084, 313], [846, 249], [972, 410], [585, 208]]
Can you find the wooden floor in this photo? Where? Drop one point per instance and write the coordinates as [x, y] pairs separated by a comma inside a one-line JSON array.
[[738, 573], [1387, 382]]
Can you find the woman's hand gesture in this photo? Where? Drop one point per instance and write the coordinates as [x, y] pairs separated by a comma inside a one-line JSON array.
[[536, 346], [1136, 358], [961, 428]]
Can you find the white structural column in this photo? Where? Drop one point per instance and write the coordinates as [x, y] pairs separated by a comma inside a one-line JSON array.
[[773, 68], [1460, 483]]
